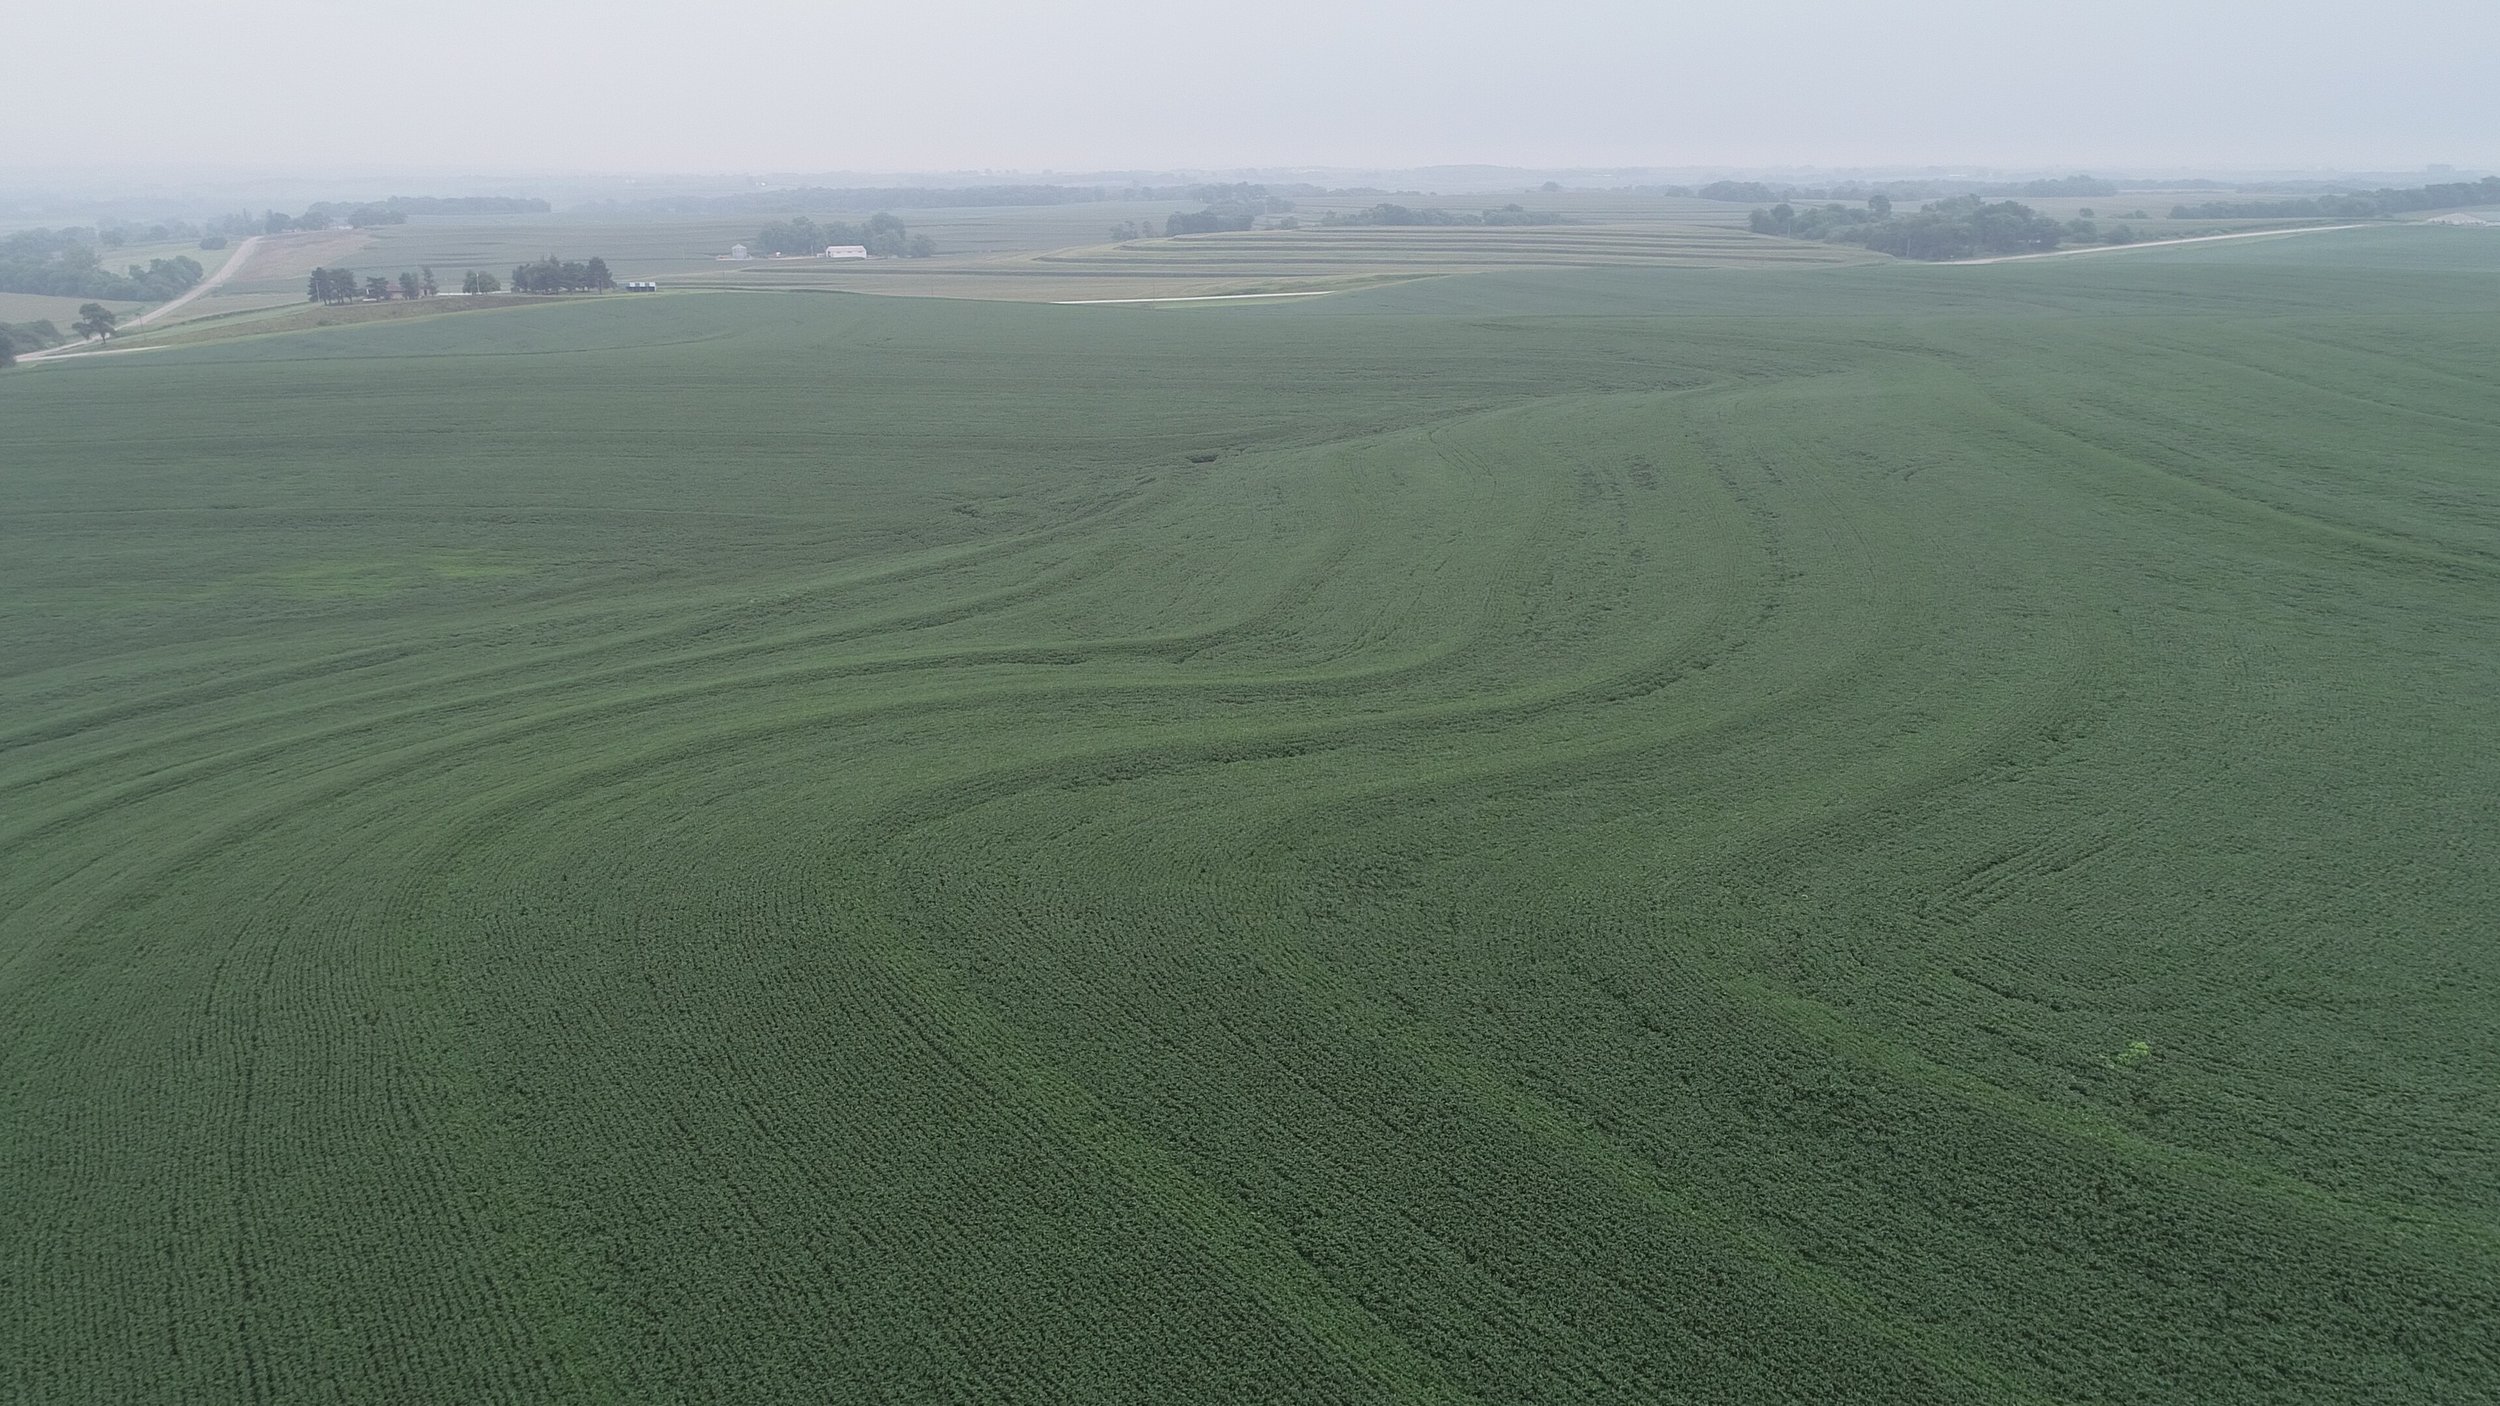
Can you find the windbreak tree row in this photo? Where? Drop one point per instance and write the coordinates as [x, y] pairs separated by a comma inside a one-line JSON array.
[[328, 285]]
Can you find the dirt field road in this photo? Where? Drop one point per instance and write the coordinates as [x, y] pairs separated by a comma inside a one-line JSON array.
[[242, 255]]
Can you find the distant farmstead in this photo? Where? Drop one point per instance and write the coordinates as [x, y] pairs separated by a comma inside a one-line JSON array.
[[2459, 218], [737, 254], [643, 286], [846, 251]]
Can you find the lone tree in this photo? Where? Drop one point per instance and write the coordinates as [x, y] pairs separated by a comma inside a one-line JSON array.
[[377, 289], [408, 286], [95, 320], [427, 285]]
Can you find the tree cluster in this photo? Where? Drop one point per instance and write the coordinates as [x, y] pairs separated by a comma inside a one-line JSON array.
[[1960, 227], [1215, 219], [1237, 206], [18, 337], [554, 275], [2348, 205], [61, 264], [474, 282], [1743, 191], [882, 235], [1386, 214], [1814, 221], [341, 286]]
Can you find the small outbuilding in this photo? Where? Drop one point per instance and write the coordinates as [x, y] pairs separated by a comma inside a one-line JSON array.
[[846, 251], [737, 253]]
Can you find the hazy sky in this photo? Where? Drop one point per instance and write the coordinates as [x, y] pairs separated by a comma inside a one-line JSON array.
[[1079, 84]]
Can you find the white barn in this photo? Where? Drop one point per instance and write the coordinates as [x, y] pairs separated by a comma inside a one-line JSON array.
[[846, 251]]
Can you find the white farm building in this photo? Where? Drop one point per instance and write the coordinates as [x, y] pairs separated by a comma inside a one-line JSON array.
[[2459, 218], [846, 251]]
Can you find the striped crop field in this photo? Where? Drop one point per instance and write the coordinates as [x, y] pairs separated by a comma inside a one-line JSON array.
[[1607, 834], [1311, 258]]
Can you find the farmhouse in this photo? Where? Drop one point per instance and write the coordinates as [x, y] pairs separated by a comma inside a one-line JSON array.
[[737, 254], [643, 286], [2459, 218], [846, 251]]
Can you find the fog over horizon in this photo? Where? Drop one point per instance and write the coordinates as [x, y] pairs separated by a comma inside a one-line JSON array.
[[1104, 85]]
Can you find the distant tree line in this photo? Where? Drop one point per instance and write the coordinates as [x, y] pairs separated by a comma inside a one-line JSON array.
[[1240, 195], [2348, 205], [328, 285], [1213, 220], [1959, 227], [61, 264], [327, 216], [114, 236], [554, 275], [882, 235], [802, 199], [1966, 226], [1386, 214], [368, 214], [427, 206], [1229, 207], [1244, 211], [1817, 221], [1763, 193]]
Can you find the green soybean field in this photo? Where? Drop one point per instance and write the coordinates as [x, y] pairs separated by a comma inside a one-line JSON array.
[[1846, 834]]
